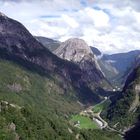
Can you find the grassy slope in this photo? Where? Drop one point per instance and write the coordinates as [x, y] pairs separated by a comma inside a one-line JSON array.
[[101, 106], [39, 95], [98, 108], [44, 108]]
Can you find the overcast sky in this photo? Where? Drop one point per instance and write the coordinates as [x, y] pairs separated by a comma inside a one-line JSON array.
[[110, 25]]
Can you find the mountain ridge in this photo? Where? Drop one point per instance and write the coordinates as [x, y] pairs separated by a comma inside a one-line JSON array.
[[116, 67], [17, 44], [51, 44], [77, 51], [125, 107]]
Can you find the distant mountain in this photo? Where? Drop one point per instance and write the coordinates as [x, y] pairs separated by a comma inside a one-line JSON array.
[[18, 45], [122, 61], [39, 92], [48, 43], [117, 66], [124, 111], [77, 51], [95, 51], [110, 72]]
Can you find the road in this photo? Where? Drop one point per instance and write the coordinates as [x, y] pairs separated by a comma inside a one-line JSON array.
[[98, 119]]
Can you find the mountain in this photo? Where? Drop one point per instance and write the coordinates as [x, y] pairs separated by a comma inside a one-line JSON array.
[[124, 111], [38, 91], [109, 71], [117, 66], [95, 51], [77, 51], [48, 43], [122, 61], [17, 44]]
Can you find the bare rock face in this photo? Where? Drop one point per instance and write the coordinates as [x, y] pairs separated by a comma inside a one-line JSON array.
[[12, 127], [18, 45], [73, 50], [77, 51], [15, 87]]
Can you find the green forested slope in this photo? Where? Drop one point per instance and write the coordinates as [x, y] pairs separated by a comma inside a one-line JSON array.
[[42, 103], [33, 107], [124, 111]]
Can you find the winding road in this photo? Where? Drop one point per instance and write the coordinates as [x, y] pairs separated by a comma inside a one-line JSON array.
[[98, 119]]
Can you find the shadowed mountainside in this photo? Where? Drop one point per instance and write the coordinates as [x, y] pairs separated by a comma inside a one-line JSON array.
[[18, 45], [77, 51], [51, 44]]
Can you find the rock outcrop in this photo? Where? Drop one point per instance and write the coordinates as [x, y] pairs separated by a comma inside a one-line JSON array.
[[77, 51], [18, 45]]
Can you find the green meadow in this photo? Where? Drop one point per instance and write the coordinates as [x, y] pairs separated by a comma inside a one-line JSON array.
[[84, 122]]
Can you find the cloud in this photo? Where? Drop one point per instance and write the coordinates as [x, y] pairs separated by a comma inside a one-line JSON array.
[[70, 21], [99, 17], [112, 26]]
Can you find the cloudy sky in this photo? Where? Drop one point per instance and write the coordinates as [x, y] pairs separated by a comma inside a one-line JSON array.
[[110, 25]]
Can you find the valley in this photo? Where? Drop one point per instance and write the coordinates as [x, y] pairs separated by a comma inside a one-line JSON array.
[[64, 90], [90, 118]]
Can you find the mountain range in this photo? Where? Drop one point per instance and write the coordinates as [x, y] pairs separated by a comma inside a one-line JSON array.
[[44, 83], [77, 51], [114, 67], [48, 43], [124, 111], [121, 70], [117, 66]]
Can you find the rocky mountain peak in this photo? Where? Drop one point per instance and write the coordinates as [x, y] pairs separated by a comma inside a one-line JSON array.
[[19, 46], [73, 49], [77, 51]]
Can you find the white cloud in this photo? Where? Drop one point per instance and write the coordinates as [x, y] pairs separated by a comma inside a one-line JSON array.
[[70, 21], [99, 17], [112, 26]]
